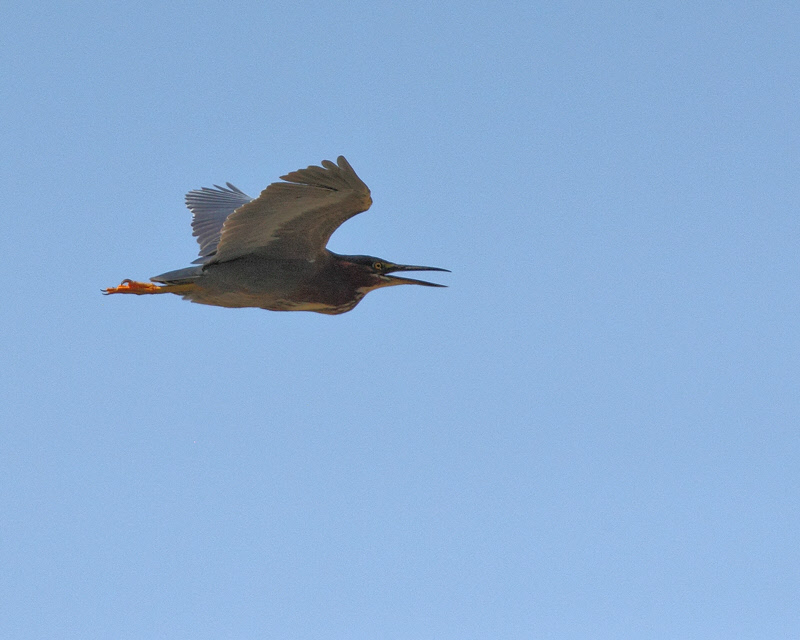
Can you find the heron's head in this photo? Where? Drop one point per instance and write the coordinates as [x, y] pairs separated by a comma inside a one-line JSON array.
[[377, 272]]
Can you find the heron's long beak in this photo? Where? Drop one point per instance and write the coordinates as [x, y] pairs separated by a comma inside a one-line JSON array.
[[393, 280]]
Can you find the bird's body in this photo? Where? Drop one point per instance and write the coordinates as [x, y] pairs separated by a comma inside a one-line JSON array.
[[326, 285], [270, 252]]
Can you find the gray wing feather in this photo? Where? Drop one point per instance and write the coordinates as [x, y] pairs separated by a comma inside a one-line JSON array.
[[295, 218], [210, 208]]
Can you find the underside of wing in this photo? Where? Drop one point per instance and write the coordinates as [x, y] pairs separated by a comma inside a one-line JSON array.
[[295, 218], [210, 208]]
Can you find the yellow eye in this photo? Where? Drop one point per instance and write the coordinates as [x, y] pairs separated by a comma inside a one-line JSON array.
[[377, 266]]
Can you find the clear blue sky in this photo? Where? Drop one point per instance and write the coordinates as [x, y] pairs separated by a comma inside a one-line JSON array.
[[593, 433]]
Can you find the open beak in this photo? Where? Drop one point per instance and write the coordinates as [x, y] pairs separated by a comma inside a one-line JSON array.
[[393, 280]]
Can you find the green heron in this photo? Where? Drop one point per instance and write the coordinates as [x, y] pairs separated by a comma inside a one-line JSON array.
[[269, 252]]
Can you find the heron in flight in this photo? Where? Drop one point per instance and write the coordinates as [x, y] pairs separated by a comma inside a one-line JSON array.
[[270, 252]]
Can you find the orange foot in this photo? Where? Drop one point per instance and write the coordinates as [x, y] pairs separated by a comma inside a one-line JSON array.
[[131, 286]]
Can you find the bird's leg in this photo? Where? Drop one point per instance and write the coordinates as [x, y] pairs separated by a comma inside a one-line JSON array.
[[139, 288]]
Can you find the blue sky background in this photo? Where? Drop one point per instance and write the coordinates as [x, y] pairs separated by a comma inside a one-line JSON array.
[[593, 433]]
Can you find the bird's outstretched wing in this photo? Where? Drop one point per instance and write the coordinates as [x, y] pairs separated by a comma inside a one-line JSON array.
[[295, 218], [210, 208]]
